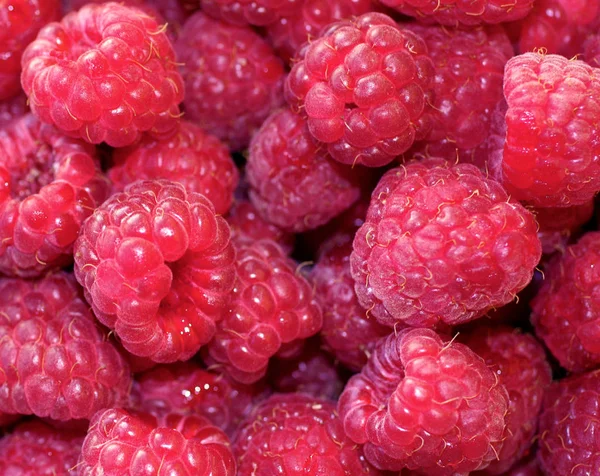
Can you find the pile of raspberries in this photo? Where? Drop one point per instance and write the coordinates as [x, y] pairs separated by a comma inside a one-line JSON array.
[[299, 237]]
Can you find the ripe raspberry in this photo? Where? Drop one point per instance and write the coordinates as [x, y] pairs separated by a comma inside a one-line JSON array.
[[250, 12], [104, 73], [364, 85], [296, 435], [521, 365], [35, 448], [293, 184], [568, 425], [50, 185], [13, 108], [200, 162], [54, 360], [272, 306], [125, 442], [158, 267], [566, 310], [424, 403], [557, 225], [233, 79], [441, 244]]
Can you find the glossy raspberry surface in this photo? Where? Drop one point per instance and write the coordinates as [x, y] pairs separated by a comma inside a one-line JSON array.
[[252, 12], [559, 225]]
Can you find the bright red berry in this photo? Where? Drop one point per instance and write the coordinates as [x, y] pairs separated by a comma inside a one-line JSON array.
[[249, 12], [13, 108], [558, 225]]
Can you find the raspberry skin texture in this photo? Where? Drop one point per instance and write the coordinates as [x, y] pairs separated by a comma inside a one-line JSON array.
[[54, 360], [157, 266], [232, 77], [294, 184], [441, 244], [271, 308], [427, 403], [297, 435], [51, 184], [250, 12], [364, 85], [197, 160], [131, 443], [106, 73], [12, 109]]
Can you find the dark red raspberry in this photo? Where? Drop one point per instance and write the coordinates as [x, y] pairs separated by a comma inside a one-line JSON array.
[[441, 244], [233, 79], [364, 85], [198, 161], [157, 266], [557, 225], [7, 419], [296, 435], [13, 108], [272, 307], [35, 448], [521, 365], [54, 360], [527, 467], [125, 442], [425, 403], [293, 183], [50, 184], [250, 12], [104, 73], [568, 424]]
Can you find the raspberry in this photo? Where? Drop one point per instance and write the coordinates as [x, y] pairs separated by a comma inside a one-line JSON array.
[[158, 267], [293, 184], [272, 306], [125, 442], [297, 435], [50, 185], [521, 365], [250, 12], [54, 360], [233, 79], [12, 109], [566, 310], [567, 424], [528, 467], [364, 85], [193, 158], [441, 244], [425, 403], [104, 73], [36, 448]]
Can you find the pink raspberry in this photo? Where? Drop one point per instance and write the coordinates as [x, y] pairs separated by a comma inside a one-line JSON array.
[[294, 184], [557, 225], [54, 360], [425, 403], [364, 85], [157, 266], [13, 108], [296, 435], [272, 306], [233, 79], [126, 442], [104, 73], [441, 244], [250, 12], [197, 160], [50, 185]]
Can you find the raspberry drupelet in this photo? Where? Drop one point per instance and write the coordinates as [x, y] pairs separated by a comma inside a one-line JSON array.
[[364, 85], [157, 266], [441, 244], [50, 184], [105, 73], [55, 361], [192, 157]]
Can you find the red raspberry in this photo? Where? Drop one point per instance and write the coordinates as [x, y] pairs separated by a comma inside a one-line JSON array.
[[158, 267], [104, 73], [193, 158], [441, 244], [125, 442], [521, 365], [296, 435], [54, 360], [35, 448], [12, 109], [294, 184], [50, 185], [364, 85], [568, 425], [250, 12], [425, 403], [527, 467], [233, 79], [272, 306]]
